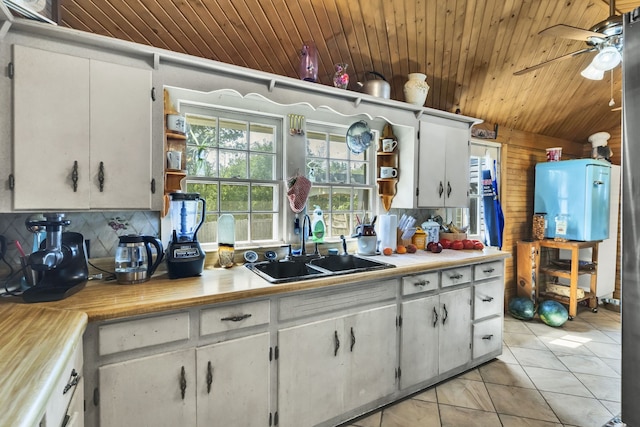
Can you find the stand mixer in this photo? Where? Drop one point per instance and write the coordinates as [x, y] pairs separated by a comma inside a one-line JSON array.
[[61, 261]]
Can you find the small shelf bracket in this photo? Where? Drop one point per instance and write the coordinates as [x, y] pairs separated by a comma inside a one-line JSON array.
[[272, 85]]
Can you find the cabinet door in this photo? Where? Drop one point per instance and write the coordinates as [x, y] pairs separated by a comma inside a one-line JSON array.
[[455, 329], [457, 168], [51, 129], [419, 349], [431, 166], [148, 391], [310, 373], [233, 382], [370, 350], [120, 136]]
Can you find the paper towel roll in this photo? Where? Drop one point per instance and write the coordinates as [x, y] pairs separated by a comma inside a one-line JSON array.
[[387, 225]]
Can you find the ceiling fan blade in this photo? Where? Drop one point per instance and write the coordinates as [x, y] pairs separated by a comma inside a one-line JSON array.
[[569, 32], [560, 58]]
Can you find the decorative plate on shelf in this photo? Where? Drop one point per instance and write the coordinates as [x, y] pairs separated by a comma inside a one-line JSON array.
[[359, 137]]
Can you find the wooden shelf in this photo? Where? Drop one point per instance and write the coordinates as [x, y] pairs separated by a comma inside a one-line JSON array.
[[173, 135], [386, 186]]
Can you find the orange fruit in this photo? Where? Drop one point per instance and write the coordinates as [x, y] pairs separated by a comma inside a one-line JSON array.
[[401, 249], [387, 251]]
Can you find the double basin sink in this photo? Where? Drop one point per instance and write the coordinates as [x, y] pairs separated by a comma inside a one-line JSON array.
[[304, 268]]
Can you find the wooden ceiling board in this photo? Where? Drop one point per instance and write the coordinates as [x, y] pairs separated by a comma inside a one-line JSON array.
[[469, 49]]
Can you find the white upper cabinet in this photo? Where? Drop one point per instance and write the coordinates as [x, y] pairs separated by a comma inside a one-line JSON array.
[[82, 133]]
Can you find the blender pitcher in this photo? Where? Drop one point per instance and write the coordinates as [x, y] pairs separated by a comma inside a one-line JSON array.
[[186, 218]]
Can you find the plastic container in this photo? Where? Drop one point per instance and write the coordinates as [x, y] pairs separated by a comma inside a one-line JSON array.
[[318, 227], [539, 225]]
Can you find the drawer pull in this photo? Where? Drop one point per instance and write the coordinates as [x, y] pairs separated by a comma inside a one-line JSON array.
[[487, 299], [489, 270], [73, 381], [456, 276], [209, 377], [422, 283], [336, 343], [183, 382], [487, 337], [353, 339], [236, 318], [74, 176], [435, 317], [101, 176]]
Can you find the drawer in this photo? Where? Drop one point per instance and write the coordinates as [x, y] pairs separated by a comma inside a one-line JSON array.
[[487, 337], [456, 276], [420, 283], [332, 299], [487, 270], [232, 317], [68, 385], [488, 299], [140, 333]]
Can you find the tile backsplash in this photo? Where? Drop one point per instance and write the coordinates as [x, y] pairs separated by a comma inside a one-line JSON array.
[[100, 229]]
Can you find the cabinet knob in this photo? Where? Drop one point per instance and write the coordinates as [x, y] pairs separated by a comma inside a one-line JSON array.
[[489, 270], [74, 176], [435, 317], [440, 190], [101, 176], [446, 314], [448, 189], [353, 339]]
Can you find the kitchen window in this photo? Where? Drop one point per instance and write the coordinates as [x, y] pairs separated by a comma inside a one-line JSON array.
[[480, 152], [342, 182], [232, 160]]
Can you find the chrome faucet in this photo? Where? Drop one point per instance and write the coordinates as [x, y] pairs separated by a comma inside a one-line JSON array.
[[305, 220]]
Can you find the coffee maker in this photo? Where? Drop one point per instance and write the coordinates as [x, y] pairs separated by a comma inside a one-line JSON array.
[[60, 263], [185, 257]]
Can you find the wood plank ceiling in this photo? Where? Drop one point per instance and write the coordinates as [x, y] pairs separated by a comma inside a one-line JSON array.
[[469, 49]]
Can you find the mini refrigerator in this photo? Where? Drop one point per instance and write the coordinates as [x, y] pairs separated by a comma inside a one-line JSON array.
[[575, 196]]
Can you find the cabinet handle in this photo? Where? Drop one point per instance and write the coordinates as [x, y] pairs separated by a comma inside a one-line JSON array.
[[487, 299], [336, 343], [487, 337], [73, 381], [456, 276], [598, 182], [74, 176], [440, 190], [236, 318], [489, 270], [209, 377], [422, 283], [183, 382], [101, 176], [353, 339], [435, 317], [448, 189], [446, 313]]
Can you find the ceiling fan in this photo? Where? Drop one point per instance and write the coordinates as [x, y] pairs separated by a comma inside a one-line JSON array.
[[605, 38]]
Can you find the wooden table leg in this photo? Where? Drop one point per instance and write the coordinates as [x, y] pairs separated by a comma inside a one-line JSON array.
[[573, 286]]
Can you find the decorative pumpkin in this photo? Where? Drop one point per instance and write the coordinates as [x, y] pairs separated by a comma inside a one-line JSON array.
[[522, 308], [553, 313]]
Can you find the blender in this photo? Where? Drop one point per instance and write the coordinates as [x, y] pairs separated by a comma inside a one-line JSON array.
[[185, 257]]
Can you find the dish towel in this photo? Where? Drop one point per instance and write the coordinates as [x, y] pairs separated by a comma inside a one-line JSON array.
[[297, 192]]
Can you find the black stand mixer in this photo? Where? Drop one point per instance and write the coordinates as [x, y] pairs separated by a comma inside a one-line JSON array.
[[61, 262]]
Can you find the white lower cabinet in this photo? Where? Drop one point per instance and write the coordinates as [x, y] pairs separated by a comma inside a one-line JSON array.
[[436, 335], [329, 367], [205, 386]]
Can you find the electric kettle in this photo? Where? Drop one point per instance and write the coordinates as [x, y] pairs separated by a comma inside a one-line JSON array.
[[133, 258]]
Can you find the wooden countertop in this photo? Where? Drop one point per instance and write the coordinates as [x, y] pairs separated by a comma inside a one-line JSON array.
[[35, 344], [108, 300]]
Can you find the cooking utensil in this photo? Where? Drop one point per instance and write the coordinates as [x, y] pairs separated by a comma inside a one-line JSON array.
[[376, 87], [359, 137]]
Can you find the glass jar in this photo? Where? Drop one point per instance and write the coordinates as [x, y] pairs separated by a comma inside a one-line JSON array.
[[539, 225]]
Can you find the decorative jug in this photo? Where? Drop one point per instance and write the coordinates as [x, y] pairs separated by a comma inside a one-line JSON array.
[[416, 89], [341, 78]]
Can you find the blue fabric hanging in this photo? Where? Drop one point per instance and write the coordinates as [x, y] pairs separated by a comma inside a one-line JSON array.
[[493, 216]]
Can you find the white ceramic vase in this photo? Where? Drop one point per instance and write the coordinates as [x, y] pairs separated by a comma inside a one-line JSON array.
[[416, 89]]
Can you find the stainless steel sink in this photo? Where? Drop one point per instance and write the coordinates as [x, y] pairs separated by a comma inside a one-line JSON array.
[[312, 268]]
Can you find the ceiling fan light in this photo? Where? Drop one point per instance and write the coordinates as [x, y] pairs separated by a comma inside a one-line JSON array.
[[592, 73], [607, 59]]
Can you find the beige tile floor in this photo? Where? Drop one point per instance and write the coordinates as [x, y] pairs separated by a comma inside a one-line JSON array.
[[566, 376]]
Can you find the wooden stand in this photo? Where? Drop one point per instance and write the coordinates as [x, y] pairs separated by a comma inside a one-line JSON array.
[[173, 142], [387, 186]]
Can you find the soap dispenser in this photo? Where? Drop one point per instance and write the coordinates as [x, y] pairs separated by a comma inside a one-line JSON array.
[[318, 226]]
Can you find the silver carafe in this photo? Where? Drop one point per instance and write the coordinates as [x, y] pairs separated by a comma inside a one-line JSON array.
[[134, 258]]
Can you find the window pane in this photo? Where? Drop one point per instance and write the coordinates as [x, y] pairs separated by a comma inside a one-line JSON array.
[[341, 199], [338, 171], [233, 134], [318, 196], [361, 199], [242, 227], [263, 138], [340, 223], [359, 173], [207, 191], [234, 198], [262, 166], [208, 232], [202, 162], [233, 164], [317, 144], [338, 147], [474, 213], [317, 170], [263, 197], [203, 131], [262, 226]]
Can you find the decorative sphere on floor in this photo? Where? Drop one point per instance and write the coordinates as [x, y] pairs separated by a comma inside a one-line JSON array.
[[522, 308], [552, 313]]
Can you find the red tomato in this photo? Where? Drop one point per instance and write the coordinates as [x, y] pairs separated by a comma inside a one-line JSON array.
[[468, 244], [478, 245], [446, 243], [457, 245]]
